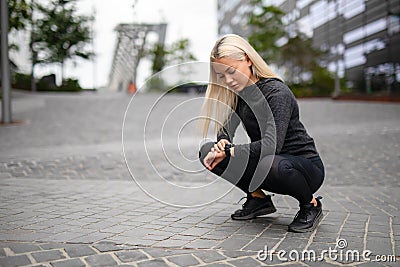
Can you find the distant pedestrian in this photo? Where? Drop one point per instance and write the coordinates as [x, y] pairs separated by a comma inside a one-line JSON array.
[[281, 157]]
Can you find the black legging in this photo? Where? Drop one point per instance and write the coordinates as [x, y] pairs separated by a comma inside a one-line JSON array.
[[295, 176]]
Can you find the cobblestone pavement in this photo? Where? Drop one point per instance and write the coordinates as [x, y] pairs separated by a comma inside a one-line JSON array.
[[67, 197]]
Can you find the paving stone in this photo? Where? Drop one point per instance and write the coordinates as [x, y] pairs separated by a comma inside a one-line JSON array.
[[22, 247], [2, 252], [246, 262], [171, 243], [218, 265], [184, 237], [260, 243], [379, 246], [14, 261], [293, 244], [131, 256], [153, 263], [201, 244], [183, 260], [107, 246], [236, 254], [195, 231], [209, 256], [101, 260], [79, 251], [322, 264], [91, 238], [49, 255], [50, 246], [159, 252], [68, 263], [235, 242], [143, 242]]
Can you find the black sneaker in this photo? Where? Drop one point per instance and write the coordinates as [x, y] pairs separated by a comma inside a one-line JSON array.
[[307, 218], [253, 207]]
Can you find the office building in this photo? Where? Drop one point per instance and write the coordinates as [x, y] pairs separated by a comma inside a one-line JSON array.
[[362, 36]]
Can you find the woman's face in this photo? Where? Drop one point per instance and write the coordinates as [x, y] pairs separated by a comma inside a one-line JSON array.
[[236, 74]]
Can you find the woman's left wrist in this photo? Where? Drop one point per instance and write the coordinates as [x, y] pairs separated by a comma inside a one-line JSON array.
[[228, 150]]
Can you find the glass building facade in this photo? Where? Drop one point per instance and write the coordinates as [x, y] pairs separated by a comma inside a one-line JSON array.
[[362, 36]]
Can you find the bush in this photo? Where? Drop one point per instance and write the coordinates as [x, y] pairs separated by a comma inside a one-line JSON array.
[[23, 81], [322, 84]]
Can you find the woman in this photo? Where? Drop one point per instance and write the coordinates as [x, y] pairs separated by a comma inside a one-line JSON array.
[[281, 159]]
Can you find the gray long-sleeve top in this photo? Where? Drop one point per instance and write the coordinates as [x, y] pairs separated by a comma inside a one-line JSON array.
[[268, 102]]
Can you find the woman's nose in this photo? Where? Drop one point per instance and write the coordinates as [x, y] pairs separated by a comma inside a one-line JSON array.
[[228, 79]]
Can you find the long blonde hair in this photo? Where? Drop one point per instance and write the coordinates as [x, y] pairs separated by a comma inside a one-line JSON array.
[[219, 99]]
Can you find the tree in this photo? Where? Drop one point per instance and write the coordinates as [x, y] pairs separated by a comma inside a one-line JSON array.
[[36, 45], [299, 57], [18, 19], [161, 56], [63, 33], [18, 14], [177, 53], [158, 56], [266, 29]]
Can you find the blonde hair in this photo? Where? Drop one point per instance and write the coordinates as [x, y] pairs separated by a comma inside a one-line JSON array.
[[219, 99]]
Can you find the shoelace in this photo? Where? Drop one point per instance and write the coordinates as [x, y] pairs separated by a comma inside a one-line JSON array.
[[303, 212], [243, 205]]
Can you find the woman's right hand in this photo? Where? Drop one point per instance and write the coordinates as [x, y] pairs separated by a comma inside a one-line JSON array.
[[213, 158], [220, 146]]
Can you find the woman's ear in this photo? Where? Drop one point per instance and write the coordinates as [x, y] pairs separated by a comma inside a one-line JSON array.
[[249, 62]]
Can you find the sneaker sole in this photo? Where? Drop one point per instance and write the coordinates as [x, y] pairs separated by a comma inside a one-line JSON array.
[[312, 228], [253, 215]]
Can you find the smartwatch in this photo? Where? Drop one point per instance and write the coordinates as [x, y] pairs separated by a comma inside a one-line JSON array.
[[227, 149]]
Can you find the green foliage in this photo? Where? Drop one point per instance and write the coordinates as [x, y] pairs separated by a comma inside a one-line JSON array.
[[158, 54], [267, 28], [177, 53], [161, 56], [18, 14], [70, 85], [322, 84], [23, 81], [62, 34], [298, 56], [156, 84]]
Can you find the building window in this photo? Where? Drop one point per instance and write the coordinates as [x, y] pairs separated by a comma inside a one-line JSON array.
[[354, 56], [364, 31], [303, 3], [317, 11], [305, 26], [351, 8], [273, 2], [322, 12], [393, 24]]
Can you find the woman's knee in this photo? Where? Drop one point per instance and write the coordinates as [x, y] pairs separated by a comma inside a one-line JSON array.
[[264, 166], [285, 166], [280, 171]]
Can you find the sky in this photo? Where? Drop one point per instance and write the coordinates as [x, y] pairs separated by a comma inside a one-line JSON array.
[[192, 19]]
